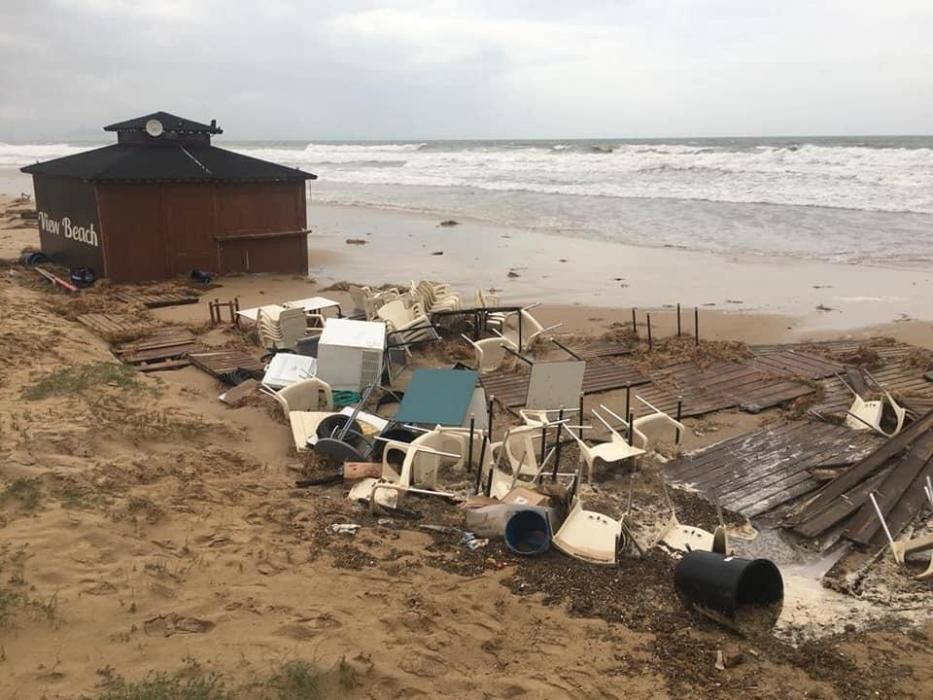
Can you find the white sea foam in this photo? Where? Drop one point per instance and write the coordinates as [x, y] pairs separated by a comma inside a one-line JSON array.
[[852, 177], [840, 199]]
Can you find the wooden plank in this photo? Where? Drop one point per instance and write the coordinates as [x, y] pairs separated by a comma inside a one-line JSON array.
[[911, 503], [159, 353], [156, 301], [837, 511], [235, 396], [225, 362], [161, 366], [868, 466], [891, 490]]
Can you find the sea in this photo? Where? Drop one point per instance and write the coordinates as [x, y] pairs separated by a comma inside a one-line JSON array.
[[841, 199]]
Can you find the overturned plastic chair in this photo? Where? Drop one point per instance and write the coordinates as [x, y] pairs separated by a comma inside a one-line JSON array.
[[589, 536], [868, 415], [616, 450], [420, 466], [651, 430]]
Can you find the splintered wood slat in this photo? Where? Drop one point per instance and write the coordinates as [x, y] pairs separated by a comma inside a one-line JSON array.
[[865, 524], [863, 469], [823, 520]]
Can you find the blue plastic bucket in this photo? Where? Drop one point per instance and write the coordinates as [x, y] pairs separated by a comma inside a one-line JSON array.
[[527, 533]]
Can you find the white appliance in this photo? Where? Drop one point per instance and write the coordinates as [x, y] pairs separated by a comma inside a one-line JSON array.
[[349, 354]]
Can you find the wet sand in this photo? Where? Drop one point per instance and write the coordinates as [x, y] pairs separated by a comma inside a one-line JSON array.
[[575, 272]]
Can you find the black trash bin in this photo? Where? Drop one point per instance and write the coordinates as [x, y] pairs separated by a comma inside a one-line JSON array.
[[739, 593]]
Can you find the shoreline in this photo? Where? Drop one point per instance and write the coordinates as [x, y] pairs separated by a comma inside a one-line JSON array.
[[577, 272], [740, 297]]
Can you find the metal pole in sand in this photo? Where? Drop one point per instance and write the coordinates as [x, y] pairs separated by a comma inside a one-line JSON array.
[[634, 325], [560, 422], [696, 323], [678, 319], [648, 317], [887, 532], [470, 447]]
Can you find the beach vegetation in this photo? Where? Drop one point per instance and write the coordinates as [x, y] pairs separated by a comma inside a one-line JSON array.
[[293, 680], [25, 492], [78, 378]]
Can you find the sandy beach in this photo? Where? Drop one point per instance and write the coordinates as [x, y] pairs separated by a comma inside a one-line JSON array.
[[151, 523]]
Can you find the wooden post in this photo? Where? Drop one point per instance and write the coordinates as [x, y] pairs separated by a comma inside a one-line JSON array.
[[634, 325], [696, 323], [678, 319], [680, 408], [650, 345], [628, 398], [470, 446], [580, 429]]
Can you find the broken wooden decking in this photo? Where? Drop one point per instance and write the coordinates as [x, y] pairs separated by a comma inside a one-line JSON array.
[[757, 472], [599, 349], [895, 472], [157, 301], [116, 324], [166, 348], [224, 362], [511, 389]]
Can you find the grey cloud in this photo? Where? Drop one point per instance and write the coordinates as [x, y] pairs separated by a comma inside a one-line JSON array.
[[404, 69]]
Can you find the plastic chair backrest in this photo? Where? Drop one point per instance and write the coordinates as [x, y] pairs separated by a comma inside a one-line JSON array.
[[655, 428], [307, 395]]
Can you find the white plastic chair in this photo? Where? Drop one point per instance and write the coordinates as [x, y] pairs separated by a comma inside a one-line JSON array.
[[867, 415], [306, 395], [589, 535], [490, 352], [653, 429], [616, 450], [281, 328], [531, 329]]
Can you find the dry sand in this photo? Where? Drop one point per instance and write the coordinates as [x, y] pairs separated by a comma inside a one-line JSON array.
[[144, 522]]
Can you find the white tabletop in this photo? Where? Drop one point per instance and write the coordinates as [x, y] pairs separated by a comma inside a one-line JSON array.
[[285, 368], [311, 304]]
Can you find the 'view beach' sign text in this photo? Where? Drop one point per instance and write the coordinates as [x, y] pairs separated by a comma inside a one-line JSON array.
[[59, 227]]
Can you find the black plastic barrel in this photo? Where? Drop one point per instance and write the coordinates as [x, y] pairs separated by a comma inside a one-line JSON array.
[[527, 532], [740, 593]]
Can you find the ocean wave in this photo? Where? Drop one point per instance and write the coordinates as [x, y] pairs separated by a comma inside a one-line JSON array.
[[856, 175]]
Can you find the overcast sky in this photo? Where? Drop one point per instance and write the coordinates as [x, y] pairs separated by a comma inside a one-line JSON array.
[[353, 69]]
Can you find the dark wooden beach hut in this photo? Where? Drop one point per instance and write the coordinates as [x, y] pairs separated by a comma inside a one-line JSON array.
[[163, 201]]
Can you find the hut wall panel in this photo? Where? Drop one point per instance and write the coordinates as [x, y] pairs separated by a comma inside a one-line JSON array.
[[155, 231], [69, 228], [259, 208], [188, 228], [131, 222]]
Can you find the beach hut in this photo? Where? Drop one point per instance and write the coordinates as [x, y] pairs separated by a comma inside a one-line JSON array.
[[163, 201]]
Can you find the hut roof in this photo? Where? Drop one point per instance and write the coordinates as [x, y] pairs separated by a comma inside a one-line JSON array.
[[170, 122], [124, 162]]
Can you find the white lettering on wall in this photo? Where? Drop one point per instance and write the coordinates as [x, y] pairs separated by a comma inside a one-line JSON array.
[[64, 227]]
